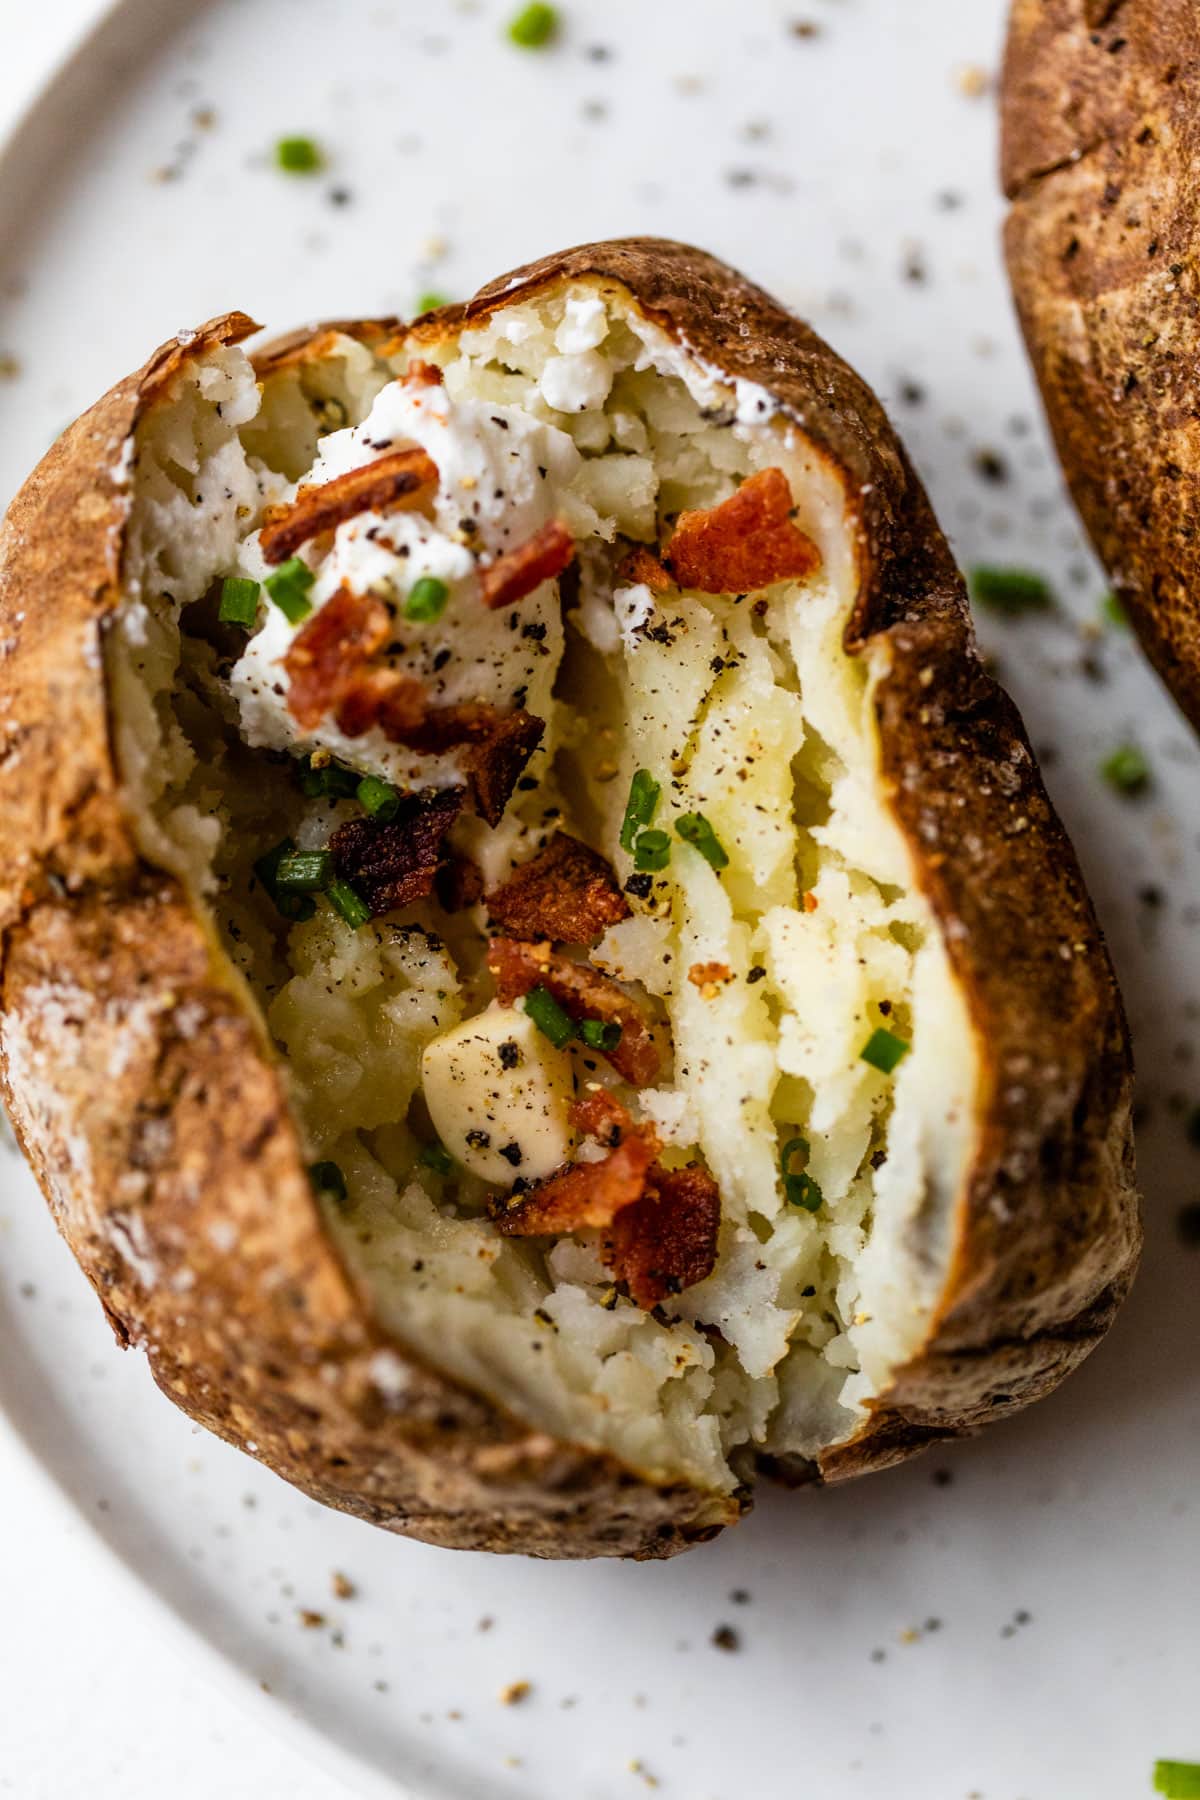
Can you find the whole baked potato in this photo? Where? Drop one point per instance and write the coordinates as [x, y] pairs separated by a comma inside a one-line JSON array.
[[1101, 160], [539, 974]]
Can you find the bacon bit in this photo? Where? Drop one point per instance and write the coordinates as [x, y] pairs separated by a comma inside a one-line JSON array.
[[600, 1115], [748, 542], [710, 974], [405, 478], [423, 374], [584, 1193], [568, 893], [516, 573], [327, 652], [394, 864], [810, 902], [493, 766], [499, 744], [375, 692], [583, 993], [459, 884], [667, 1240], [641, 568]]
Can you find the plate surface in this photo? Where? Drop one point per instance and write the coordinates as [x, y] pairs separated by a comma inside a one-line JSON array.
[[1014, 1619]]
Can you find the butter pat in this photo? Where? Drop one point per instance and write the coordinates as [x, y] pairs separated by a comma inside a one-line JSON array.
[[499, 1095]]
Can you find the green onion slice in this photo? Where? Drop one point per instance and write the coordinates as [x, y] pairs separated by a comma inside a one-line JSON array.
[[328, 782], [533, 26], [239, 602], [379, 799], [640, 807], [288, 587], [438, 1158], [1177, 1780], [426, 600], [695, 829], [884, 1050], [348, 902], [1126, 769], [291, 905], [798, 1185], [304, 871], [299, 155], [600, 1034], [652, 851], [549, 1016], [431, 301], [1011, 591]]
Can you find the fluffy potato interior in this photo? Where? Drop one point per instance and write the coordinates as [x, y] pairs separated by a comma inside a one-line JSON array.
[[772, 973]]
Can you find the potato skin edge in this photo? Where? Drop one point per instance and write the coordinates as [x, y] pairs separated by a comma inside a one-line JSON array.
[[1101, 162], [277, 1351]]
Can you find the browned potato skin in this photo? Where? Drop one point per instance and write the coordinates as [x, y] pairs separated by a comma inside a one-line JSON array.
[[1101, 160], [153, 1111]]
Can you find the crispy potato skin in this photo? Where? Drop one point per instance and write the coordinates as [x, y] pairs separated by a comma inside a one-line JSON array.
[[155, 1117], [1101, 160]]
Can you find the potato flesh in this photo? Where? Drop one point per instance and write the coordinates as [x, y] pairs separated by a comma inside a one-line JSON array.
[[761, 722]]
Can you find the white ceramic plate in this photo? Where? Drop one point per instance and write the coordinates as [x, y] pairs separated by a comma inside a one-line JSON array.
[[1014, 1618]]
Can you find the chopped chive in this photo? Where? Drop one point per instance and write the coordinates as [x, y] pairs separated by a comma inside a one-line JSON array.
[[304, 871], [600, 1034], [1126, 770], [330, 781], [884, 1050], [379, 799], [437, 1158], [431, 301], [549, 1017], [798, 1185], [695, 829], [1113, 612], [327, 1178], [299, 155], [294, 906], [239, 602], [640, 807], [1177, 1780], [533, 26], [426, 600], [652, 851], [348, 902], [288, 587], [1011, 591]]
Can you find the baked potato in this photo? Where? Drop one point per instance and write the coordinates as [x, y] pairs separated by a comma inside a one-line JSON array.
[[1102, 166], [540, 978]]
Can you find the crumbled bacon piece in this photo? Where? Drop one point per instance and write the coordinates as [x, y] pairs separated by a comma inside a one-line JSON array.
[[667, 1240], [584, 1193], [568, 893], [423, 374], [395, 863], [497, 745], [641, 568], [328, 651], [516, 573], [583, 993], [403, 478], [748, 542], [373, 694], [459, 884], [709, 974], [494, 764]]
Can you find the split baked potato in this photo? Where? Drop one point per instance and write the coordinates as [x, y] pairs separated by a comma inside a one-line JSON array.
[[539, 974], [1101, 161]]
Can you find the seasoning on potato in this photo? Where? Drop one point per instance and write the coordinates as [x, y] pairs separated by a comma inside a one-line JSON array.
[[539, 974]]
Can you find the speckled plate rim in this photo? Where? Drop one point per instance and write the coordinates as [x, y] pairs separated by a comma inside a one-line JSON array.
[[33, 1432]]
